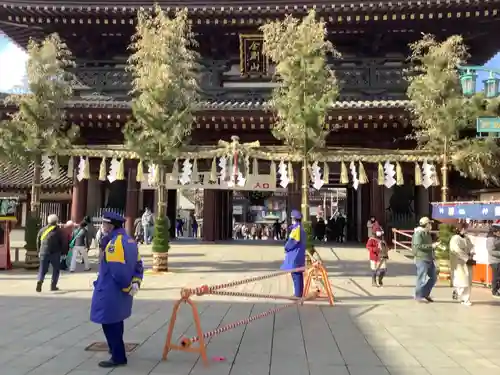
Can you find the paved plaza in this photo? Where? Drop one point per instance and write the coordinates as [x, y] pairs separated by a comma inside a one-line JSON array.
[[369, 332]]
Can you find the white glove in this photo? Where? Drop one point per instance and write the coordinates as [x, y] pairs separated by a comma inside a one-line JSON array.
[[134, 289]]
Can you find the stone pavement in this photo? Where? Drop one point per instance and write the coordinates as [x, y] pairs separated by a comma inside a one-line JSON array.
[[369, 332]]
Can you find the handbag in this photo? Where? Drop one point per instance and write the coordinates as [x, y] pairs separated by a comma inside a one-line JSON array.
[[471, 262]]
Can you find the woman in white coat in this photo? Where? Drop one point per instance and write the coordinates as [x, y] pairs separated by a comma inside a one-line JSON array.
[[461, 254]]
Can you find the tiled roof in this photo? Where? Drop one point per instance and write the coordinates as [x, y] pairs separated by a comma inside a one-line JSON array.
[[13, 177], [249, 105]]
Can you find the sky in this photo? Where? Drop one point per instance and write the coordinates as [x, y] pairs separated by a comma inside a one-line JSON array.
[[13, 61]]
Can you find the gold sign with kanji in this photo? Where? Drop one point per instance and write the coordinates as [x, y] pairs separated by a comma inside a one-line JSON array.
[[253, 62]]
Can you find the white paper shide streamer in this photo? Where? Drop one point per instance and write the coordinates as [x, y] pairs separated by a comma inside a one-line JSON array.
[[187, 170], [316, 176], [354, 175], [283, 172], [389, 173]]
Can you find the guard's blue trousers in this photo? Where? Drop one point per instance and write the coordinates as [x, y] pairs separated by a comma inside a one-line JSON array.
[[298, 283], [114, 337]]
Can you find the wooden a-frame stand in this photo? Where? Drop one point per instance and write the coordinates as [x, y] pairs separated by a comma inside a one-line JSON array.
[[315, 273]]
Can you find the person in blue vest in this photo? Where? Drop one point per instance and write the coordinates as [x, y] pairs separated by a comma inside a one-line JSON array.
[[295, 252], [119, 279]]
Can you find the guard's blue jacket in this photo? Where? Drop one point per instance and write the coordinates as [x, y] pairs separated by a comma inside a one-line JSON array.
[[120, 267], [295, 248]]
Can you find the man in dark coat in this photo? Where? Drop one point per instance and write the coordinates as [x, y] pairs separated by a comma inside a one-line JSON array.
[[51, 243]]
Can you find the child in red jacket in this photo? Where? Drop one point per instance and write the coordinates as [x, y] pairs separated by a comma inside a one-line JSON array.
[[379, 254]]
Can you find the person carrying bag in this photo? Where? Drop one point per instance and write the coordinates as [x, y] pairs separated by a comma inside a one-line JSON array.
[[79, 245]]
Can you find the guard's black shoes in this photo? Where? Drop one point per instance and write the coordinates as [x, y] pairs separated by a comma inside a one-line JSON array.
[[54, 288], [39, 286], [110, 364], [429, 299]]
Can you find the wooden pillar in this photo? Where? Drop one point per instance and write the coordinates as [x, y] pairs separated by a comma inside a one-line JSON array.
[[377, 203], [172, 210], [227, 214], [209, 208], [365, 210], [131, 205], [79, 200]]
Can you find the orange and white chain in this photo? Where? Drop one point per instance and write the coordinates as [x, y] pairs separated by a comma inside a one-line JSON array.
[[188, 341], [208, 289]]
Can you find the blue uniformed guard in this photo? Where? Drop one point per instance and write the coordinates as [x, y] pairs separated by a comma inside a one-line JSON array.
[[119, 279], [295, 252]]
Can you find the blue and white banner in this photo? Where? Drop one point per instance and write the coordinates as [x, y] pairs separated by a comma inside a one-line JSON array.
[[473, 211]]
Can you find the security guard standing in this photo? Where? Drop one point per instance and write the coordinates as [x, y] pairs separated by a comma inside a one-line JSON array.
[[119, 279], [295, 252]]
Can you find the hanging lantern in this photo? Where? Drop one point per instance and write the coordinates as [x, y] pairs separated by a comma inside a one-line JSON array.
[[344, 177], [491, 86], [399, 175], [380, 174], [468, 82], [418, 175], [139, 177], [363, 178], [102, 170]]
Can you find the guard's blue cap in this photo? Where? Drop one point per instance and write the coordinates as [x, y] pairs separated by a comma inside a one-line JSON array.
[[109, 217], [296, 215]]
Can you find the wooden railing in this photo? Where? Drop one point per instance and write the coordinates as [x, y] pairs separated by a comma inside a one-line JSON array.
[[401, 238]]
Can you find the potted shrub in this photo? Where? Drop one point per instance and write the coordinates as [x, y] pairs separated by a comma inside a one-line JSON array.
[[161, 245], [33, 225], [446, 231]]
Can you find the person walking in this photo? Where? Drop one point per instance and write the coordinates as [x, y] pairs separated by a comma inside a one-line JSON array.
[[119, 279], [493, 248], [423, 251], [379, 254], [79, 246], [295, 253], [51, 244], [461, 261], [147, 225]]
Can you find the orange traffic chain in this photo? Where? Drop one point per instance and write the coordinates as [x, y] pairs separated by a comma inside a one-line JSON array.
[[316, 272]]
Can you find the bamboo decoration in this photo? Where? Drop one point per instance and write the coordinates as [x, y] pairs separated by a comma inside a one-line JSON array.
[[326, 173], [418, 175], [139, 177], [120, 173], [194, 171], [272, 171], [291, 175], [255, 167], [213, 171], [102, 170], [71, 167], [55, 173], [380, 174], [344, 178], [363, 178], [399, 175], [86, 169]]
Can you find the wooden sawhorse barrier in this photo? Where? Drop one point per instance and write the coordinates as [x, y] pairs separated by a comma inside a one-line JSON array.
[[312, 274]]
